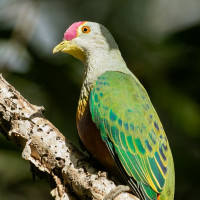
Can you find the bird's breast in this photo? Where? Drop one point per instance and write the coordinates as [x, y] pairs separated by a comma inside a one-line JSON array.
[[90, 136]]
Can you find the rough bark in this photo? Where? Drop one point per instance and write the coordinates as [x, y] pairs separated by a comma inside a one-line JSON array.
[[49, 151]]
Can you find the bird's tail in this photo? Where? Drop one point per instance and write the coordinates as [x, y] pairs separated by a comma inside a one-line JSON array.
[[148, 192]]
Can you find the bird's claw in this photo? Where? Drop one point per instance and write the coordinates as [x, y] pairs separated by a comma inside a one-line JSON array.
[[81, 161], [116, 191]]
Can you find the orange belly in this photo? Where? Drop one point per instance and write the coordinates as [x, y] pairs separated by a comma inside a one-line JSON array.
[[91, 138]]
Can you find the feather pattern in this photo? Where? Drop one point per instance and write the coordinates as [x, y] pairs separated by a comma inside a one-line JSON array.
[[121, 109]]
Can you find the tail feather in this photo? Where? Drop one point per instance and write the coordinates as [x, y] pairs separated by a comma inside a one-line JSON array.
[[148, 192]]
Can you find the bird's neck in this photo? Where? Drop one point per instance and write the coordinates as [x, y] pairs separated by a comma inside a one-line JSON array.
[[97, 63], [101, 60]]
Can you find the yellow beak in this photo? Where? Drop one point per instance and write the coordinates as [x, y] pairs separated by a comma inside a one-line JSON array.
[[70, 48], [60, 47]]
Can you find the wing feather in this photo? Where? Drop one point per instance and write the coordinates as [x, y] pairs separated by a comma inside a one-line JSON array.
[[121, 109]]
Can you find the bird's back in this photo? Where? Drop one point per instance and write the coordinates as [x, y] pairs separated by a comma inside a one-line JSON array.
[[129, 125]]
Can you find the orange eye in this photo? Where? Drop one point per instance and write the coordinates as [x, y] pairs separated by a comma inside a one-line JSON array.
[[86, 29]]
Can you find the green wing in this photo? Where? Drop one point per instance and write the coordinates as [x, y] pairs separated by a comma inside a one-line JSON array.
[[128, 123]]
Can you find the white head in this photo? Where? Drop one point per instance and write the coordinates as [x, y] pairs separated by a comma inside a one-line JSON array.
[[93, 44], [82, 39]]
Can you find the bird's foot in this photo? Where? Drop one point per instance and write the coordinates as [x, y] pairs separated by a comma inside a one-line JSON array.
[[81, 161], [116, 191]]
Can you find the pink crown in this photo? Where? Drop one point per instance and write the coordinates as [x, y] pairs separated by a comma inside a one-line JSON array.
[[71, 32]]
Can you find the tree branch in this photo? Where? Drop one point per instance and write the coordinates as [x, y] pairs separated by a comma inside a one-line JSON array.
[[48, 150]]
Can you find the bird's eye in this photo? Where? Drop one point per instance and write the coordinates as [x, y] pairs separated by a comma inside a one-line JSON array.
[[86, 29]]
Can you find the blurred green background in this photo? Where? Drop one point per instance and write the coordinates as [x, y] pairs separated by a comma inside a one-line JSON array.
[[159, 40]]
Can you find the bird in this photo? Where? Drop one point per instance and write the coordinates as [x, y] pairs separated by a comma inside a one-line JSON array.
[[115, 118]]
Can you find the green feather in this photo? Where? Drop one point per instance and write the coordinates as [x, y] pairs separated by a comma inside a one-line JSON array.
[[121, 109]]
